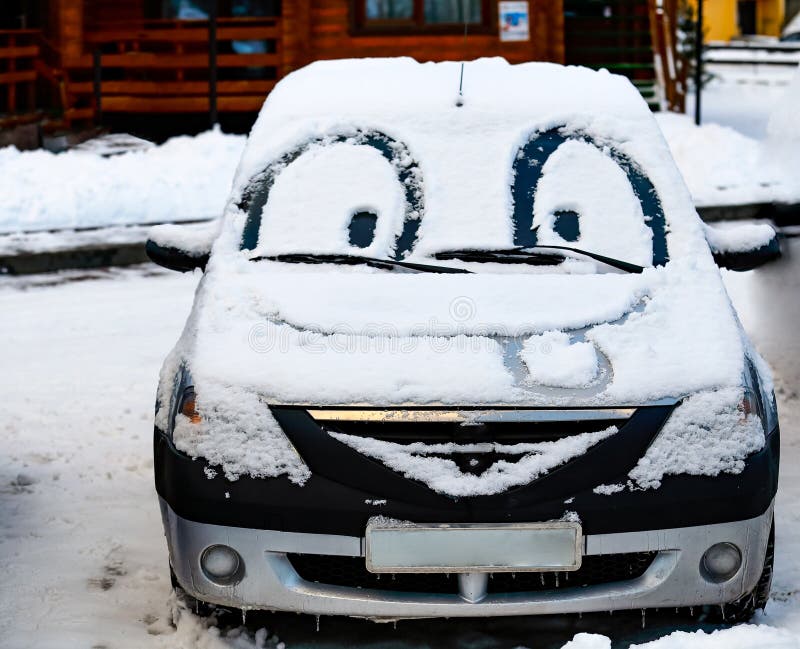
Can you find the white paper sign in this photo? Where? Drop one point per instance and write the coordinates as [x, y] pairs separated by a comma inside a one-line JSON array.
[[514, 23]]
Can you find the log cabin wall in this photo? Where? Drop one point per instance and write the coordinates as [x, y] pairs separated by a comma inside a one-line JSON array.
[[328, 29]]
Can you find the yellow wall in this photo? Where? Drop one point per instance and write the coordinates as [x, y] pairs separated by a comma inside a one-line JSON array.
[[720, 18], [769, 17]]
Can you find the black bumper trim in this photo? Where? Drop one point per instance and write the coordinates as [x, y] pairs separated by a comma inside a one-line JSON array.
[[327, 506]]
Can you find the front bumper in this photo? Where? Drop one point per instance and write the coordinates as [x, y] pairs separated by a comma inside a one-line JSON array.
[[270, 582]]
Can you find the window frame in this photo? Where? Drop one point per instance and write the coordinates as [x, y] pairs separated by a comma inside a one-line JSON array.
[[361, 25]]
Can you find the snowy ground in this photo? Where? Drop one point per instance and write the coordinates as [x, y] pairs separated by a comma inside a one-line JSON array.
[[81, 548]]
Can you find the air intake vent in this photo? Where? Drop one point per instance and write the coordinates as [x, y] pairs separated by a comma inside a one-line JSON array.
[[464, 426]]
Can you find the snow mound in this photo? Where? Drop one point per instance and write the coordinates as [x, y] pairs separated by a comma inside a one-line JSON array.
[[739, 237], [783, 123], [553, 360], [783, 130], [723, 167], [186, 178]]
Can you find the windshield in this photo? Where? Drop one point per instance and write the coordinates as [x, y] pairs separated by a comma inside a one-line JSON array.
[[361, 198]]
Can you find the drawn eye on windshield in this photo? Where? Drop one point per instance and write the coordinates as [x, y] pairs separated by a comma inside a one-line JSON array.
[[361, 190], [569, 189]]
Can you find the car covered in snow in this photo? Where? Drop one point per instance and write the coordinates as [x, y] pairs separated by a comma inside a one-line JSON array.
[[464, 352]]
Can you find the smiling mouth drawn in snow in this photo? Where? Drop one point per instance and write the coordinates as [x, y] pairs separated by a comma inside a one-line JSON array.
[[474, 469]]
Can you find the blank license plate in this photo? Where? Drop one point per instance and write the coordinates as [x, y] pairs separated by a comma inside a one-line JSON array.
[[508, 547]]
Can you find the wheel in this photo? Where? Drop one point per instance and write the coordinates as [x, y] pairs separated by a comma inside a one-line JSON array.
[[742, 609], [196, 606]]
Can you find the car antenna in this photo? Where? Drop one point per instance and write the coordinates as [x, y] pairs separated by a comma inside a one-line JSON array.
[[460, 98]]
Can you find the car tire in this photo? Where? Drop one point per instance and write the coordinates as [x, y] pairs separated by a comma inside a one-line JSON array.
[[743, 608]]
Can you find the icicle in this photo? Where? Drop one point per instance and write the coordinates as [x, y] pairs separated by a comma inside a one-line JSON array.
[[317, 623], [691, 611], [643, 620], [580, 616], [541, 576], [566, 576], [556, 574], [513, 575], [722, 610], [244, 616], [394, 624]]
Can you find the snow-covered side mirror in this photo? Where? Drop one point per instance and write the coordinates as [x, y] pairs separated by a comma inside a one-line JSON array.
[[181, 247], [743, 246]]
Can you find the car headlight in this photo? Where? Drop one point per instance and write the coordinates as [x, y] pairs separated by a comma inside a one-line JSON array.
[[187, 406], [708, 433]]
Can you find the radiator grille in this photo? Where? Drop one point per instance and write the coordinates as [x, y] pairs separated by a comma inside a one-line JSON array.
[[352, 572]]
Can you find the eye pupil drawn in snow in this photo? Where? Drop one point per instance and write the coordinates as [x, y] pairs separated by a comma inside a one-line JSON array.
[[566, 224], [361, 231]]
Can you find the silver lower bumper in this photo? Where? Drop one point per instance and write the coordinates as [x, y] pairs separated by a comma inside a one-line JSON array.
[[270, 582]]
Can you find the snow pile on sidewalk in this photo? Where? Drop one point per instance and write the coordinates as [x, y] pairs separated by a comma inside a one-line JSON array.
[[186, 178], [783, 129], [723, 167]]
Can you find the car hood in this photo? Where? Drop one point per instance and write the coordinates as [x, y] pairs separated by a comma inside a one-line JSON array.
[[322, 335]]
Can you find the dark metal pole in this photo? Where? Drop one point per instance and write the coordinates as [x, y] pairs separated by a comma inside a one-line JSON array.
[[698, 63], [98, 86], [212, 64]]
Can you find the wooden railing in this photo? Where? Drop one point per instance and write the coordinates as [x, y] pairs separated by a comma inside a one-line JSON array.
[[670, 67], [19, 49], [163, 66]]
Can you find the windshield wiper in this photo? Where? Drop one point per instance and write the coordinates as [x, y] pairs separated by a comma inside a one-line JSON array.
[[534, 257], [375, 262]]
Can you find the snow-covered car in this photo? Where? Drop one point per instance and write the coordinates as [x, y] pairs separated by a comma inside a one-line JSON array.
[[464, 353]]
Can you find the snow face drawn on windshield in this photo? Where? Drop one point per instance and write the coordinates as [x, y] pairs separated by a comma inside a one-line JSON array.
[[528, 170], [256, 196]]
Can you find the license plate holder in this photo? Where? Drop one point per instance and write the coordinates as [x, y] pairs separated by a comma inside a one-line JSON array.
[[395, 546]]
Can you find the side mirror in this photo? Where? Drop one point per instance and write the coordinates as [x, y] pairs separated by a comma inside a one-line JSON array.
[[181, 247], [743, 246]]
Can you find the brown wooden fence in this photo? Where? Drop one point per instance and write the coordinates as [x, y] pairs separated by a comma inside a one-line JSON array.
[[163, 66], [19, 51]]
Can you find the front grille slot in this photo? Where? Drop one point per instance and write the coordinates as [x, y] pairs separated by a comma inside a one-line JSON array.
[[441, 426], [352, 572]]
